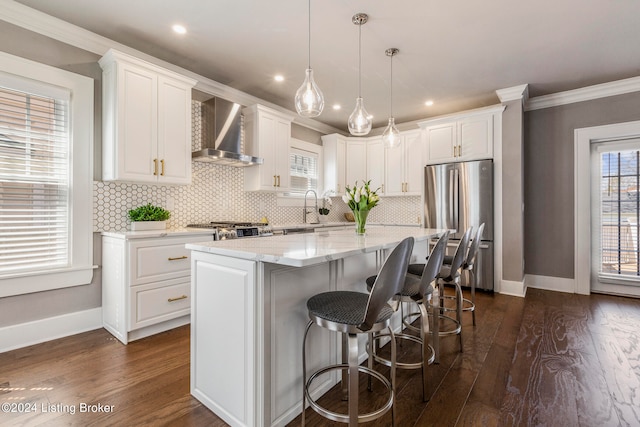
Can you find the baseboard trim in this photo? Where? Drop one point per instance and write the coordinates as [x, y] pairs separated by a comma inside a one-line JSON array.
[[39, 331], [549, 283], [511, 287]]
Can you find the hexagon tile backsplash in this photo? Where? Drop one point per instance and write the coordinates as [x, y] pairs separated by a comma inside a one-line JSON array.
[[216, 194]]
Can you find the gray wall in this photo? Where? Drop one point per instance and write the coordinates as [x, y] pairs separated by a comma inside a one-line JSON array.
[[24, 308], [549, 181]]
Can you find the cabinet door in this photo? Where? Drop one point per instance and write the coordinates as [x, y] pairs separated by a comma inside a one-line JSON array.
[[476, 137], [282, 145], [441, 142], [356, 163], [137, 124], [375, 164], [267, 150], [394, 171], [174, 132], [414, 165], [333, 148]]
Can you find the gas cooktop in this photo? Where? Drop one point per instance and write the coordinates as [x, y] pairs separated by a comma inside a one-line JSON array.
[[224, 230]]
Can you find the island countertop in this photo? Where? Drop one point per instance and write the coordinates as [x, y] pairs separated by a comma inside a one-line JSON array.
[[300, 250]]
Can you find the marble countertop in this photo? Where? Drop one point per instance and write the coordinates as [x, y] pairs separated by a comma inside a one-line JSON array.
[[299, 250]]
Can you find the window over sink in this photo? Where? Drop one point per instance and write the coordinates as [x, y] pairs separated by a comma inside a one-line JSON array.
[[305, 160]]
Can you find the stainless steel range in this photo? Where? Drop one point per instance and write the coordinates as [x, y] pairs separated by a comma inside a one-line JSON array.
[[224, 230]]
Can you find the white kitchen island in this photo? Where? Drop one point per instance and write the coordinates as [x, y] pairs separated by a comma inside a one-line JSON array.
[[248, 315]]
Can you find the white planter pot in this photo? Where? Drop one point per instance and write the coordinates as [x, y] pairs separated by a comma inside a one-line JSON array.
[[148, 225]]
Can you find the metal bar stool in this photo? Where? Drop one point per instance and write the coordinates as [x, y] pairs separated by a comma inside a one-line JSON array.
[[417, 290], [468, 267], [449, 274], [354, 313]]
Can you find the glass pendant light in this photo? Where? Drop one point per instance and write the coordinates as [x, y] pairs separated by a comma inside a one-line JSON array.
[[359, 121], [391, 135], [309, 99]]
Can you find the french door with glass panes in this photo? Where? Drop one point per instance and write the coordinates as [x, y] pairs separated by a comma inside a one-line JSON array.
[[615, 207]]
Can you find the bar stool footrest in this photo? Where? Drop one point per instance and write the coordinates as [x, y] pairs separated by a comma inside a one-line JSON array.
[[403, 365], [344, 418]]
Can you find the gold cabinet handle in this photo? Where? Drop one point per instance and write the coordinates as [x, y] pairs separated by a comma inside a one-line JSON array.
[[177, 258], [162, 167], [278, 180], [459, 150], [274, 181], [155, 166], [455, 147], [177, 298], [382, 188]]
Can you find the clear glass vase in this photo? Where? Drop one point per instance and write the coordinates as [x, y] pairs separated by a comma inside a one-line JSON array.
[[360, 217]]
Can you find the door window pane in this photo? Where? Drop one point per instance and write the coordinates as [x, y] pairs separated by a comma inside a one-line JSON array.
[[620, 212]]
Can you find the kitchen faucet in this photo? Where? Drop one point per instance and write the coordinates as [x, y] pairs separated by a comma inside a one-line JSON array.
[[305, 209]]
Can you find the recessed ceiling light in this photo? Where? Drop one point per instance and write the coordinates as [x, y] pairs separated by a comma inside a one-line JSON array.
[[279, 78], [429, 103], [337, 106], [179, 29]]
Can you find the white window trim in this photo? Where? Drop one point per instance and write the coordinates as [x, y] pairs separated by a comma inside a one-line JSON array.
[[81, 191], [298, 201], [583, 137]]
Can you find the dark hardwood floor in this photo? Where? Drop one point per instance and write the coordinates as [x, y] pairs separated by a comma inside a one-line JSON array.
[[550, 359]]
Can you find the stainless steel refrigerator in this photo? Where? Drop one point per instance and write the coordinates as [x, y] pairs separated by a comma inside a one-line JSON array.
[[460, 195]]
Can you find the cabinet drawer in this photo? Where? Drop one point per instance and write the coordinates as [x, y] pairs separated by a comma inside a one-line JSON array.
[[161, 259], [155, 303]]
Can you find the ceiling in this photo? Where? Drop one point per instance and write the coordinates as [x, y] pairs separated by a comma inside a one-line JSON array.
[[456, 53]]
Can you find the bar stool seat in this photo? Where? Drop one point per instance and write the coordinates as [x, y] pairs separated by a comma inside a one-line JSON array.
[[354, 313]]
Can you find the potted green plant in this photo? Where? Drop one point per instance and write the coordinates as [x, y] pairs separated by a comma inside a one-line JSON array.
[[149, 217]]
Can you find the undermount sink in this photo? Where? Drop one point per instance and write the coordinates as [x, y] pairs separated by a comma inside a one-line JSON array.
[[286, 231]]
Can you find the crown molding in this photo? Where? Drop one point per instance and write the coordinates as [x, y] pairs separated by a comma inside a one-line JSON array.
[[618, 87], [514, 93], [57, 29]]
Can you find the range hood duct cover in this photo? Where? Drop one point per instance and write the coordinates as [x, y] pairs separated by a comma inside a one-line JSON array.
[[221, 135]]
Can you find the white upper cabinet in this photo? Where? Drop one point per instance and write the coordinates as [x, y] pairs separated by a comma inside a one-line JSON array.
[[267, 135], [375, 163], [146, 122], [393, 172], [334, 151], [403, 166], [356, 163], [461, 137]]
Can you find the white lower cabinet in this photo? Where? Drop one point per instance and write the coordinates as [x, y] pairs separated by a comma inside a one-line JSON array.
[[146, 283]]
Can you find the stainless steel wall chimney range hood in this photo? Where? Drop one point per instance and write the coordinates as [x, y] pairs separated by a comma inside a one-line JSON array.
[[221, 135]]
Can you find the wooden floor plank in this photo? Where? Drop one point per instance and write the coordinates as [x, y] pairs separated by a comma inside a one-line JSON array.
[[547, 359]]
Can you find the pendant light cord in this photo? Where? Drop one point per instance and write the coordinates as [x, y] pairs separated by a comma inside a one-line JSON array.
[[360, 60], [309, 38], [391, 90]]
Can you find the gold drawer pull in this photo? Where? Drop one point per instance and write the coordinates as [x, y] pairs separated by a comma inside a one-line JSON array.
[[162, 167], [177, 258], [177, 298], [155, 166]]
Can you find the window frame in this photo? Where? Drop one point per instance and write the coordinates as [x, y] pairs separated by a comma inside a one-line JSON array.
[[81, 125], [297, 200]]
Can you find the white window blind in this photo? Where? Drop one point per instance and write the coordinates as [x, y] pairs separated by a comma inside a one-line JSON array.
[[303, 171], [34, 178]]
